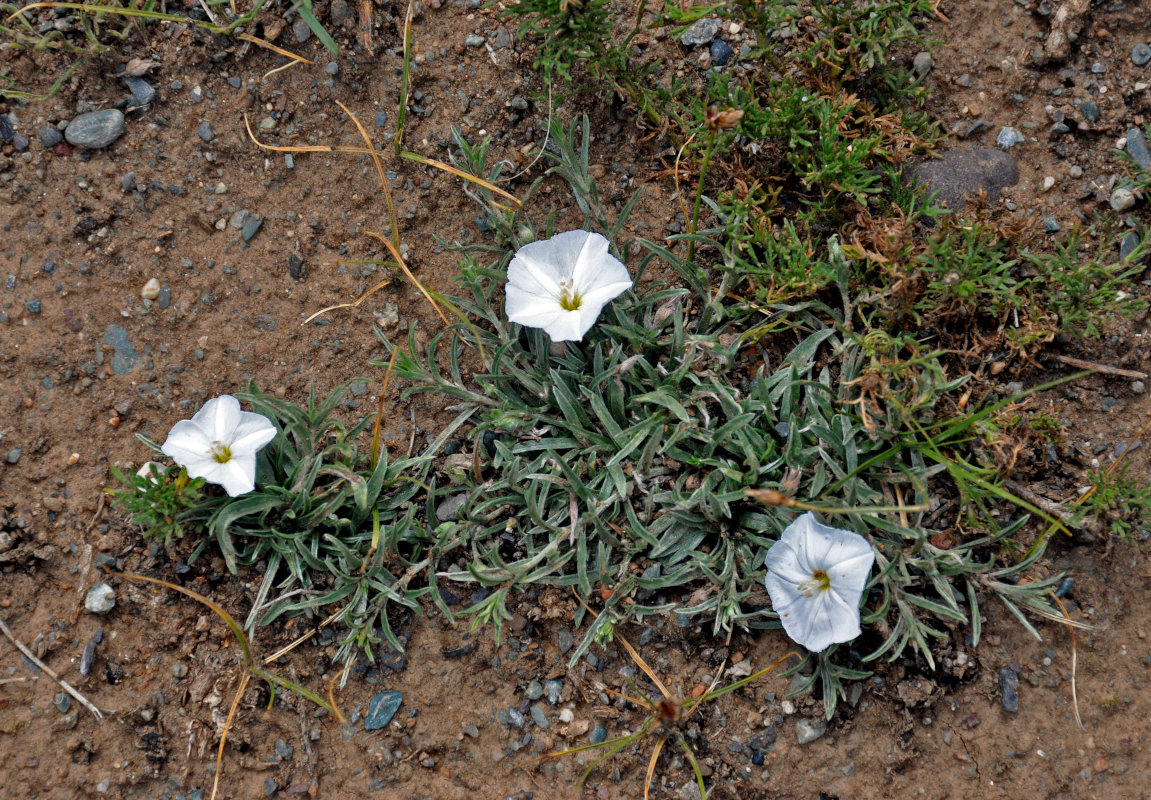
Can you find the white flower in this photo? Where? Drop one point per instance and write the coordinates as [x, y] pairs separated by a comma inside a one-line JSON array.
[[561, 284], [815, 577], [220, 444]]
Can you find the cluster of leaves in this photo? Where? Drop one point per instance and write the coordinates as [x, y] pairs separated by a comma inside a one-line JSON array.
[[1120, 502], [621, 462], [334, 533]]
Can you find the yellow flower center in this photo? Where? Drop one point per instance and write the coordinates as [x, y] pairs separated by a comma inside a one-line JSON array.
[[220, 452], [569, 300], [819, 583]]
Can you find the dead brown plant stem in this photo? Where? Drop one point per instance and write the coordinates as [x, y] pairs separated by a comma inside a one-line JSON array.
[[81, 699]]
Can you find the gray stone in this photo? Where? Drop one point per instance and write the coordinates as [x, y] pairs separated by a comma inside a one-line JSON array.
[[598, 734], [205, 131], [1008, 137], [381, 118], [721, 53], [540, 717], [1140, 54], [1128, 245], [100, 599], [1137, 148], [143, 92], [301, 30], [124, 355], [382, 709], [1009, 689], [962, 173], [283, 749], [701, 32], [251, 225], [50, 136], [553, 688], [14, 455], [339, 12], [1122, 199], [449, 509], [534, 691], [96, 129], [1051, 225], [922, 63], [332, 68], [502, 39], [1090, 110], [164, 299], [808, 730], [564, 641], [128, 181], [474, 40]]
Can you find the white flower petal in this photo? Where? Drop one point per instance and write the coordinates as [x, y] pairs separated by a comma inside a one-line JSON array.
[[253, 432], [221, 430], [186, 442], [238, 475], [219, 418], [578, 259], [810, 554]]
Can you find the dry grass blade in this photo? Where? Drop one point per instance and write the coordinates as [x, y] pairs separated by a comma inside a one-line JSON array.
[[81, 699], [515, 204], [354, 304], [1074, 662], [247, 676], [631, 651], [378, 424], [399, 260]]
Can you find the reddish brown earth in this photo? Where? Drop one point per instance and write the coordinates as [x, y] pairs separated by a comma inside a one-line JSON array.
[[165, 670]]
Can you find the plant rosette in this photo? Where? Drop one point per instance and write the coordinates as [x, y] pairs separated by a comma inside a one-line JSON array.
[[220, 444], [816, 575], [561, 284]]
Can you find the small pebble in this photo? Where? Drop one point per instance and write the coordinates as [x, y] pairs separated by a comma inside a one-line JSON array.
[[205, 131], [100, 599], [1137, 148], [721, 52], [382, 709], [553, 688], [332, 68], [1090, 110], [1008, 138], [63, 702], [143, 92], [808, 730], [284, 750], [700, 32], [540, 717], [1050, 225], [1076, 171], [14, 455], [922, 63], [1140, 54], [598, 734], [96, 129], [381, 118], [151, 289], [474, 40], [1009, 689], [1138, 387], [566, 715], [1122, 199], [1048, 183], [179, 670], [50, 136], [1128, 245], [301, 30]]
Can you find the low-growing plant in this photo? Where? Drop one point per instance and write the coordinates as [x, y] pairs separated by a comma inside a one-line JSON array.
[[1117, 500], [162, 501], [620, 463]]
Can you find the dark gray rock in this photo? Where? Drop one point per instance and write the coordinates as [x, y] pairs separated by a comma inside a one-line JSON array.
[[124, 355], [50, 136], [143, 92], [205, 131], [701, 32], [96, 129], [721, 52], [1009, 689], [128, 181], [1140, 54], [251, 225], [301, 30], [1090, 110], [1128, 245], [962, 173], [339, 12], [382, 709], [1137, 148]]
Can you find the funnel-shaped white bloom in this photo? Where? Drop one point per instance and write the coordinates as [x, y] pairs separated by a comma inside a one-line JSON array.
[[815, 577], [561, 284], [220, 444]]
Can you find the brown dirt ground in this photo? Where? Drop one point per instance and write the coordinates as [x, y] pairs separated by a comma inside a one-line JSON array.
[[235, 315]]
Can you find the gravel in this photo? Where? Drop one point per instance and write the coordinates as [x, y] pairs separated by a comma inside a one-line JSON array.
[[1140, 54], [382, 709], [808, 730], [1009, 689], [1137, 148]]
